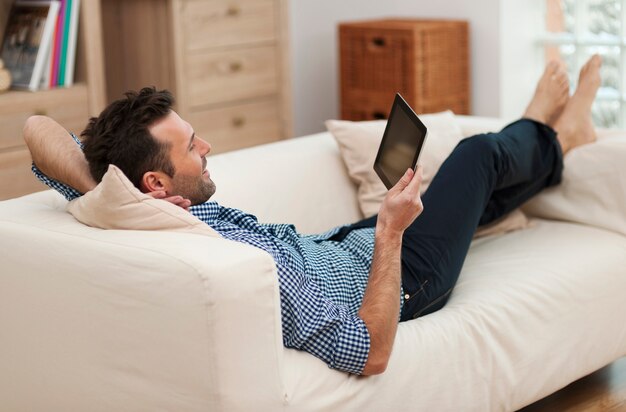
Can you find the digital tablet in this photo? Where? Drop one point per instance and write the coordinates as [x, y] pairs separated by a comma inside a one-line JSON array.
[[401, 145]]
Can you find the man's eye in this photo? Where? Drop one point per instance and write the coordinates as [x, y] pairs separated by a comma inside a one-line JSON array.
[[192, 147]]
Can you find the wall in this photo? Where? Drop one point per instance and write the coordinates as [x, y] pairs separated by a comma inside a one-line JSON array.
[[313, 27], [521, 59]]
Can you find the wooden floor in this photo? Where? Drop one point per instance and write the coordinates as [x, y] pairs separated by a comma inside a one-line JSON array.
[[602, 391]]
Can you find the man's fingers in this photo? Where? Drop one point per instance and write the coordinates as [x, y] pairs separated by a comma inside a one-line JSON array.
[[179, 201], [158, 194], [175, 200]]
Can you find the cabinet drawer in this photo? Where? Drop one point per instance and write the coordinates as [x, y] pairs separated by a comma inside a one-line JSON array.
[[16, 179], [238, 126], [218, 23], [66, 106], [229, 76]]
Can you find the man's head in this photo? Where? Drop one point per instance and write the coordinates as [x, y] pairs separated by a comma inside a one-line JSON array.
[[151, 144]]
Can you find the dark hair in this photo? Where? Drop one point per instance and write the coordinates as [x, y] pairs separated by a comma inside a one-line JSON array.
[[120, 136]]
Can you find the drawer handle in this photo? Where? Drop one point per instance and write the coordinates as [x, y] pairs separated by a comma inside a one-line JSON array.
[[379, 116], [236, 67], [239, 121], [40, 112], [378, 42], [233, 11]]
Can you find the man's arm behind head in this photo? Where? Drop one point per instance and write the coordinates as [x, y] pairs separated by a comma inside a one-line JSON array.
[[56, 154]]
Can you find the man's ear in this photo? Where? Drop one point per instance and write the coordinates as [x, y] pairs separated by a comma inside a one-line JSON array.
[[154, 181]]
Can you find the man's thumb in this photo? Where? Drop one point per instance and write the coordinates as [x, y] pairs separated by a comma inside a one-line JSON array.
[[404, 180]]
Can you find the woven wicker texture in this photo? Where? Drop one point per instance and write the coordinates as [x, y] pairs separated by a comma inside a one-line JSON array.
[[427, 61]]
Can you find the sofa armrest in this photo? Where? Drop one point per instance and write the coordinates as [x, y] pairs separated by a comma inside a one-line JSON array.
[[135, 320]]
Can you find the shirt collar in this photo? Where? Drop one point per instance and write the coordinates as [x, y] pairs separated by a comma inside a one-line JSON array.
[[208, 212]]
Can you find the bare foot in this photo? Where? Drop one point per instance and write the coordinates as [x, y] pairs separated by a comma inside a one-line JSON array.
[[575, 127], [551, 95]]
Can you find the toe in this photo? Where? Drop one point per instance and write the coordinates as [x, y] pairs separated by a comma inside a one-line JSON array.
[[561, 79], [596, 60], [552, 67]]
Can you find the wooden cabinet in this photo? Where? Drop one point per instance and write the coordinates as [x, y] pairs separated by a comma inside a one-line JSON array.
[[226, 61], [230, 76], [71, 106], [218, 23], [241, 125]]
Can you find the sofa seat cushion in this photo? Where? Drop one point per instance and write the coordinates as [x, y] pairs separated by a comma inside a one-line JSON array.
[[533, 311]]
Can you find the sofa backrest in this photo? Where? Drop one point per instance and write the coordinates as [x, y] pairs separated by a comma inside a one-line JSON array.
[[471, 125], [301, 181]]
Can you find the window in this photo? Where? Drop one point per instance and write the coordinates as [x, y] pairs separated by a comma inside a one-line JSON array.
[[575, 30]]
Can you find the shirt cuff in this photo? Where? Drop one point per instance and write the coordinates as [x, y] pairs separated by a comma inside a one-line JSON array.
[[353, 346]]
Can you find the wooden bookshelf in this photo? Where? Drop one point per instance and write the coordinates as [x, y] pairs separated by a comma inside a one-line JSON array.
[[70, 106]]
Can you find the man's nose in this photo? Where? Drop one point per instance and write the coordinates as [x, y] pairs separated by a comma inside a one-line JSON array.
[[207, 148]]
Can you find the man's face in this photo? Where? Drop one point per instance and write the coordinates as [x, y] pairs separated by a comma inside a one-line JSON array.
[[187, 153]]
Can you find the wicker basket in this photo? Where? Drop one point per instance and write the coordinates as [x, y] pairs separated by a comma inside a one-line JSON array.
[[427, 61]]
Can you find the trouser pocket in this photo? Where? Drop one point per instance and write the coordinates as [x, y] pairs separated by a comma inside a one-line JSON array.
[[419, 304]]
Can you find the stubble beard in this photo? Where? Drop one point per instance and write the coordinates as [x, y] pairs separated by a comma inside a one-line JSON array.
[[194, 188]]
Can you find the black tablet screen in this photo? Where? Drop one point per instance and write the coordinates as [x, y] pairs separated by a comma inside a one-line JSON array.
[[401, 143]]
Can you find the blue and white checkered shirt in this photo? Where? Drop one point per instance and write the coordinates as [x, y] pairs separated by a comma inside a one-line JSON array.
[[322, 282]]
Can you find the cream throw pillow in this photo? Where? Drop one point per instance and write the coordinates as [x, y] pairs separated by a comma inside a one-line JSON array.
[[116, 203], [358, 144], [593, 188]]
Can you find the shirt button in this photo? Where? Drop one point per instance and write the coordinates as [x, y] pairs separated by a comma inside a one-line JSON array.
[[406, 296]]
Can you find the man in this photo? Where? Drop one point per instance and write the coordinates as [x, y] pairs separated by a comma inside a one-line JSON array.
[[341, 292]]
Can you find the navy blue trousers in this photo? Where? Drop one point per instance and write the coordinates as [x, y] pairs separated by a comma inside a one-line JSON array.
[[485, 177]]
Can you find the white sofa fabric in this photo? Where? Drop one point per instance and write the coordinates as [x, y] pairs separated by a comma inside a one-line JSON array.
[[101, 320]]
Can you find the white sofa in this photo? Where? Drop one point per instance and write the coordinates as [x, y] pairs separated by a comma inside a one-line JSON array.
[[95, 320]]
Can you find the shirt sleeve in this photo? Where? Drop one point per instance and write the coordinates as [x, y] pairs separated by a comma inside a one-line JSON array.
[[314, 324], [66, 191]]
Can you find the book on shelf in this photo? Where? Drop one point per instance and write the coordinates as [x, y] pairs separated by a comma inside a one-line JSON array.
[[71, 37], [27, 41], [45, 77], [61, 70], [57, 39]]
